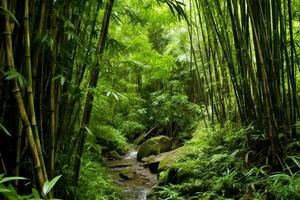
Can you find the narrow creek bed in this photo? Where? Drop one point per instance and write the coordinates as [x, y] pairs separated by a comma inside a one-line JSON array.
[[134, 179]]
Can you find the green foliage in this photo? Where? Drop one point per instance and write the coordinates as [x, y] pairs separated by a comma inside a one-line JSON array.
[[171, 109], [4, 130], [109, 137], [10, 193], [48, 185], [176, 7], [95, 182], [169, 193], [13, 74], [284, 186], [6, 12], [212, 167], [45, 40], [132, 129], [11, 178]]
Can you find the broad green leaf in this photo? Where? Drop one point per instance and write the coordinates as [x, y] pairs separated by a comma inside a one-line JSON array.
[[49, 185]]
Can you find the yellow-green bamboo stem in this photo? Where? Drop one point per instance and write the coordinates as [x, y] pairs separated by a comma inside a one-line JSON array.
[[29, 88], [17, 94]]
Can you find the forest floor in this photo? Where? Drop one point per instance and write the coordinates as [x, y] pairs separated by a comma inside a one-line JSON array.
[[134, 179]]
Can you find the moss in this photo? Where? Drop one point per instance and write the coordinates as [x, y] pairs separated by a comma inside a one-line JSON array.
[[171, 158], [128, 173], [154, 146], [114, 155], [165, 143], [111, 138], [148, 148]]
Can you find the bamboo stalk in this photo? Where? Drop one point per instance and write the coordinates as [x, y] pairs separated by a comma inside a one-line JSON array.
[[18, 151], [53, 116], [21, 107], [92, 84], [36, 53], [29, 87]]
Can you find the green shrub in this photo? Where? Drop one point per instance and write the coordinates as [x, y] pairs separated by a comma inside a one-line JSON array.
[[111, 138], [213, 167], [172, 110], [95, 183], [131, 129]]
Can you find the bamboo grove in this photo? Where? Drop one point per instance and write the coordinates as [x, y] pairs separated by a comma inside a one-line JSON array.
[[244, 64], [246, 61], [51, 56], [47, 58]]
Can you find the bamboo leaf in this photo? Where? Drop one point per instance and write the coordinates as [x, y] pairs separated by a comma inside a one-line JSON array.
[[13, 74], [5, 130], [4, 190], [116, 96], [12, 178], [35, 194], [49, 185], [88, 130], [6, 12], [295, 159]]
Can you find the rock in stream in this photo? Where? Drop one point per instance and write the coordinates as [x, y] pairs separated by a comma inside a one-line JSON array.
[[135, 180]]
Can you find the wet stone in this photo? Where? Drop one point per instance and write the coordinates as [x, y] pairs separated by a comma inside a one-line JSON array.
[[134, 179]]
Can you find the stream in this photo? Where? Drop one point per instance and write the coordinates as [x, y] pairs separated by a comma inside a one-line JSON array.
[[137, 186]]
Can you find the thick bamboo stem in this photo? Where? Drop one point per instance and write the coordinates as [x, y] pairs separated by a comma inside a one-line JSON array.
[[21, 107], [29, 87]]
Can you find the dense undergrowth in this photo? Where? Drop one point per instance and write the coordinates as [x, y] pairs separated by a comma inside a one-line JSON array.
[[95, 182], [216, 165]]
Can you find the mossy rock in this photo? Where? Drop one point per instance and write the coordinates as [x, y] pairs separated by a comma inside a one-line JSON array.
[[165, 143], [148, 148], [170, 158], [114, 155], [154, 146], [128, 173]]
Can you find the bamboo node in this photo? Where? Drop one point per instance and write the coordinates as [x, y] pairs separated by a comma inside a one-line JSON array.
[[15, 90], [6, 33]]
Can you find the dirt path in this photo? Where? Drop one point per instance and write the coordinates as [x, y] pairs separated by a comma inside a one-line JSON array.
[[136, 187]]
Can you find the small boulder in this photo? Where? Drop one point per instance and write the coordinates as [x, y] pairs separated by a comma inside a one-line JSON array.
[[165, 143], [128, 173], [148, 148], [113, 155], [169, 158], [160, 162], [154, 146]]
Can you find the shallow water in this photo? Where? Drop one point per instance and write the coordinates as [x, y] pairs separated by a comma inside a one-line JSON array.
[[137, 188]]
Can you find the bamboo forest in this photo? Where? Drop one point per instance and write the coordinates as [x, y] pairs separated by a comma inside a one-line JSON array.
[[149, 99]]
